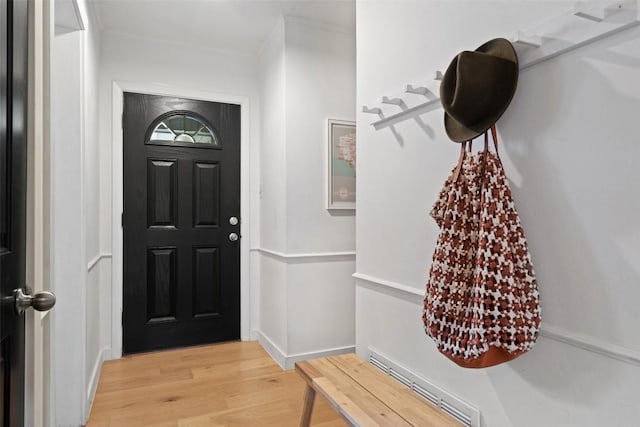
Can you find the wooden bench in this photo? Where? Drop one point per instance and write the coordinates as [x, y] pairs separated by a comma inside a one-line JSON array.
[[364, 396]]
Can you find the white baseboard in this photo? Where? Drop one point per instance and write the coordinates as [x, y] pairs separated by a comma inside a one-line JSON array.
[[274, 351], [104, 354], [288, 361], [293, 358]]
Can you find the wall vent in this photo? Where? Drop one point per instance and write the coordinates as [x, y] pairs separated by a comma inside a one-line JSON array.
[[426, 394], [375, 362], [455, 413], [458, 409], [398, 376]]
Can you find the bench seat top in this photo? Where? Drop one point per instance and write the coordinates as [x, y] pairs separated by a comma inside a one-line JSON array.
[[366, 397]]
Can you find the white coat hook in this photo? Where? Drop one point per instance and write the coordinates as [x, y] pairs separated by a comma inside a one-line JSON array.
[[527, 40], [375, 110], [593, 11], [418, 90], [438, 75], [393, 101]]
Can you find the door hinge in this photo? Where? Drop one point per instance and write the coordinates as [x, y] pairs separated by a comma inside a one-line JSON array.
[[122, 220], [122, 121]]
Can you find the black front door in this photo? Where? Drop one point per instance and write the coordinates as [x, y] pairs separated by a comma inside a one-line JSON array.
[[181, 227], [13, 179]]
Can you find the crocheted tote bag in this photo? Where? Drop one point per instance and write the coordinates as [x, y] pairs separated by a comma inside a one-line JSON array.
[[481, 305]]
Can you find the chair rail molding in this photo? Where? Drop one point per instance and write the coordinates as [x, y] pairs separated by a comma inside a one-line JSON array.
[[583, 342], [309, 257], [97, 259]]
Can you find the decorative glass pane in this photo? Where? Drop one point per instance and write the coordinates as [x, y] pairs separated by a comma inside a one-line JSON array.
[[183, 128]]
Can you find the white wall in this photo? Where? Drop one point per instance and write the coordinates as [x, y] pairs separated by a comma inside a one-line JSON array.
[[271, 273], [79, 345], [69, 265], [97, 341], [320, 84], [179, 69], [569, 148], [272, 79], [307, 254]]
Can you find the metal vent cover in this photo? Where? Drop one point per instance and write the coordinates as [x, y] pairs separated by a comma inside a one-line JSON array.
[[458, 409]]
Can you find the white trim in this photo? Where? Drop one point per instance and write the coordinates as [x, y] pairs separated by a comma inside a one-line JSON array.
[[96, 260], [288, 361], [591, 344], [293, 358], [410, 290], [118, 88], [305, 256], [95, 377], [573, 339], [320, 25], [274, 351], [84, 106]]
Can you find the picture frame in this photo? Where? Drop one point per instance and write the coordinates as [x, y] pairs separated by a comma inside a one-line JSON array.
[[341, 164]]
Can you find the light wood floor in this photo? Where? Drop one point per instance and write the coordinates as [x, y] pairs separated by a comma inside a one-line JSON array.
[[231, 384]]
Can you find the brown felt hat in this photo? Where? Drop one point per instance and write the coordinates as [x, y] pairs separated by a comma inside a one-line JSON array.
[[477, 88]]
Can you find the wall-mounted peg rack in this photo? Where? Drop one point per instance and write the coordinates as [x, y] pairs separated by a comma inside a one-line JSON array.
[[392, 101], [525, 40], [588, 10], [418, 90], [586, 22], [376, 110]]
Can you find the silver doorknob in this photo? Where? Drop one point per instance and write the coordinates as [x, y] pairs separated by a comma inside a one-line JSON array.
[[233, 220], [40, 301], [233, 237]]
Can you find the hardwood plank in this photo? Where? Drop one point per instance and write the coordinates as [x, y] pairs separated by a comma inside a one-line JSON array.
[[399, 398], [232, 384]]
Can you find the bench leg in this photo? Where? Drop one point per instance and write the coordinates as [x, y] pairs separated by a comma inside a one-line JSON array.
[[309, 398]]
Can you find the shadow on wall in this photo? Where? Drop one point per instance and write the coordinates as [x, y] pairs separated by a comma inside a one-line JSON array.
[[569, 140]]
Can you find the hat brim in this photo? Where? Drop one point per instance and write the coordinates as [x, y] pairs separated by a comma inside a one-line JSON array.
[[458, 132]]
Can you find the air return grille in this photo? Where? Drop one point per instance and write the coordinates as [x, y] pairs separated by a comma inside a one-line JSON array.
[[461, 411]]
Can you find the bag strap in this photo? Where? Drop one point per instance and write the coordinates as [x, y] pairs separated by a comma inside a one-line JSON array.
[[463, 152], [494, 134], [464, 149]]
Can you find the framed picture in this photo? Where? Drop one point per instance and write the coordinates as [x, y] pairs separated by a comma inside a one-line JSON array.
[[341, 183]]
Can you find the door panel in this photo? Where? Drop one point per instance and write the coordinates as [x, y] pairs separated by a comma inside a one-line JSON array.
[[206, 193], [206, 273], [161, 284], [181, 271], [162, 206], [13, 170]]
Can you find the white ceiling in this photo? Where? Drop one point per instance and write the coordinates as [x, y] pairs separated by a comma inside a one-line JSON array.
[[239, 25]]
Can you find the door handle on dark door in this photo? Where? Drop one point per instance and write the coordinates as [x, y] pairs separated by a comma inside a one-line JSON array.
[[233, 237], [40, 301]]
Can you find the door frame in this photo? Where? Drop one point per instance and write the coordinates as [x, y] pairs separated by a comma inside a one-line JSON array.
[[39, 369], [117, 182]]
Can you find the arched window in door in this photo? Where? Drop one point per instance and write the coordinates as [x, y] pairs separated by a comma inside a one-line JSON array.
[[183, 129]]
